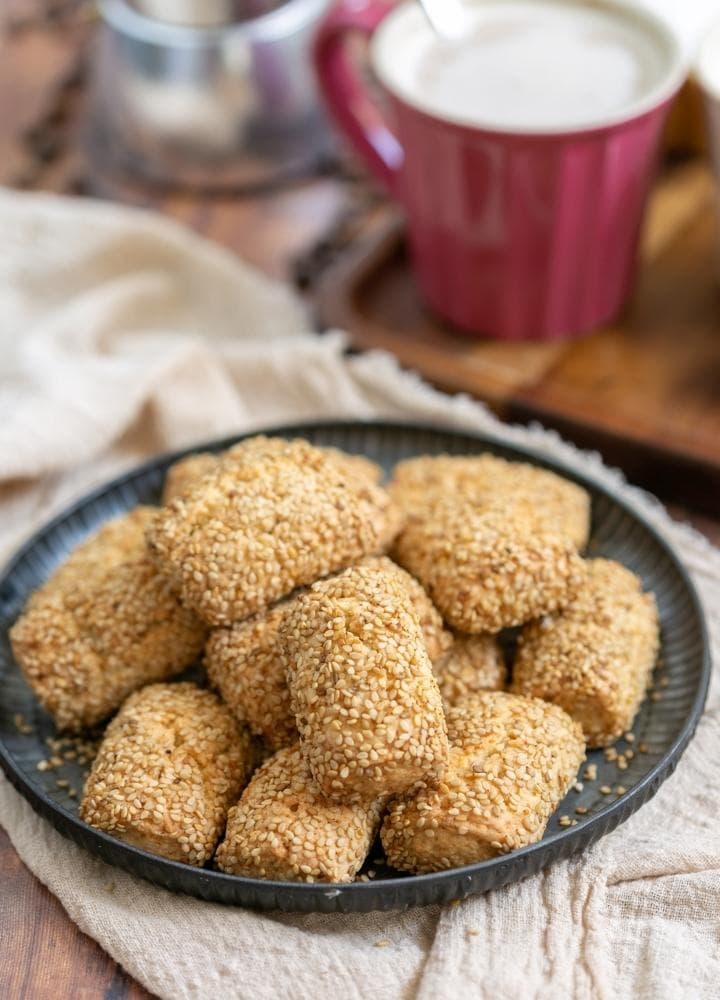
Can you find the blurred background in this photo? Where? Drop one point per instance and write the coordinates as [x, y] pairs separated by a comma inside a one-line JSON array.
[[251, 161]]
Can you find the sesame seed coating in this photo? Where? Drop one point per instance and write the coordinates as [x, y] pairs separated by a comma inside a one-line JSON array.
[[512, 760], [366, 703], [245, 665], [104, 624], [438, 639], [358, 465], [594, 658], [488, 569], [555, 503], [473, 663], [280, 517], [262, 446], [183, 476], [171, 763], [284, 828]]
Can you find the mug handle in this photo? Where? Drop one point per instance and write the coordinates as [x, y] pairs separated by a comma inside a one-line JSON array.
[[355, 112]]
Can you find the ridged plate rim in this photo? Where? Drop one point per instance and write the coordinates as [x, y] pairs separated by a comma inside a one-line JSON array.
[[388, 894]]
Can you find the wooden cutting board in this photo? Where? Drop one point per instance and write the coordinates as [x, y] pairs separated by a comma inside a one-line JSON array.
[[646, 390]]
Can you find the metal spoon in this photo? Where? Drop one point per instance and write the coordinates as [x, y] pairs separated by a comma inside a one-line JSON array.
[[446, 17]]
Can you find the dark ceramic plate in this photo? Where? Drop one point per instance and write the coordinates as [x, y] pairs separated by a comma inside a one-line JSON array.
[[662, 730]]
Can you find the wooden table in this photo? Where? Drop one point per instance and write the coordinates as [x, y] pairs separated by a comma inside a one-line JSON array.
[[43, 956]]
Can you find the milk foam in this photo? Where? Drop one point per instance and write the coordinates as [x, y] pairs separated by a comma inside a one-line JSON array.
[[533, 65]]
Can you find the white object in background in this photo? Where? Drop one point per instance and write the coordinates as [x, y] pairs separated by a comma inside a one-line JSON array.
[[447, 18], [689, 19]]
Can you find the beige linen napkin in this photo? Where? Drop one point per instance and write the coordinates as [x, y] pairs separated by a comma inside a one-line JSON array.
[[122, 335]]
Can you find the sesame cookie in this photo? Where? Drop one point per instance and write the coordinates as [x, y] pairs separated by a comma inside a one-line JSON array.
[[171, 763], [555, 503], [594, 658], [512, 760], [246, 666], [284, 828], [488, 569], [105, 623], [438, 639], [473, 663], [366, 703], [280, 517], [184, 475]]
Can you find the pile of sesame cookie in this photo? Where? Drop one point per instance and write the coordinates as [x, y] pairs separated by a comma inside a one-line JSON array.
[[352, 640]]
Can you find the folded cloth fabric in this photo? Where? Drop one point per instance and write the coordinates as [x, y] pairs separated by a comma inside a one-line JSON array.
[[122, 335]]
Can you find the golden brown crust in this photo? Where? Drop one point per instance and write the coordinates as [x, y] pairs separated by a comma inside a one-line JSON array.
[[184, 475], [284, 828], [438, 639], [358, 465], [473, 663], [104, 624], [555, 503], [281, 516], [245, 665], [260, 445], [171, 763], [595, 658], [512, 760], [488, 569], [366, 703]]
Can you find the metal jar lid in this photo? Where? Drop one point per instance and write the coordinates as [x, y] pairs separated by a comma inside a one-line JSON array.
[[204, 13]]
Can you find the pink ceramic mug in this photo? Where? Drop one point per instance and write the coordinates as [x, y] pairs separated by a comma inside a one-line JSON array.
[[515, 232]]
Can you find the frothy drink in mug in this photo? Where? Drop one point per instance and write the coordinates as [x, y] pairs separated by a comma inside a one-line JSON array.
[[522, 152], [532, 65]]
